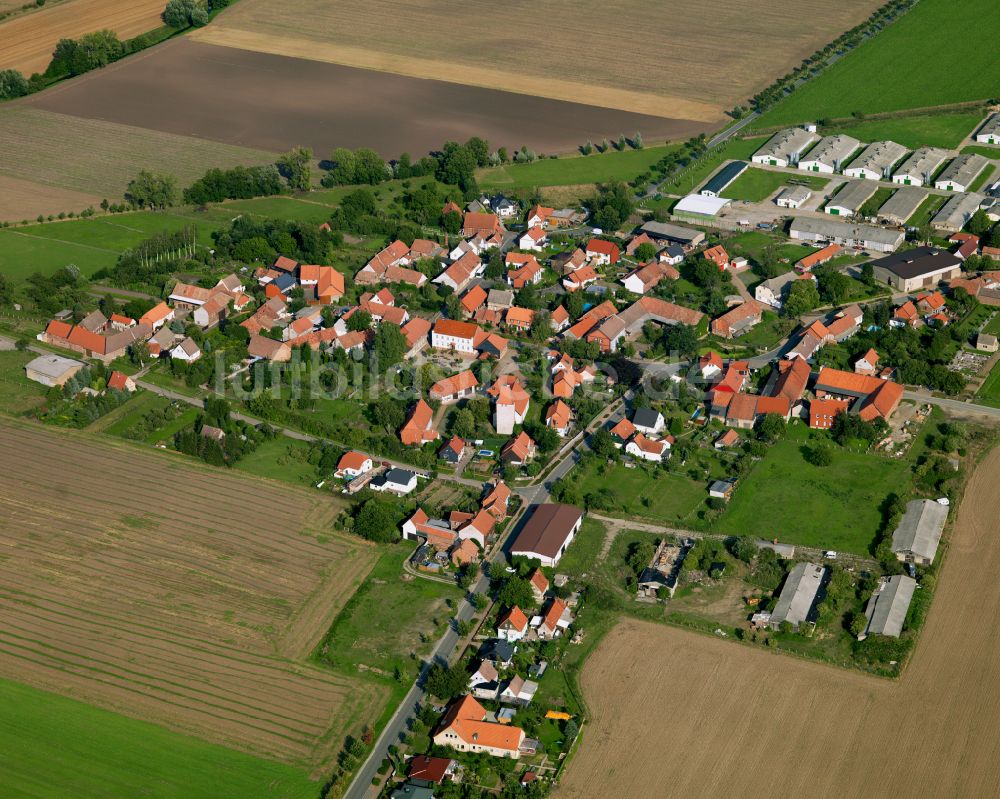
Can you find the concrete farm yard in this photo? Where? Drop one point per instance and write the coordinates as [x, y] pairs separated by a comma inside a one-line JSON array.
[[177, 595]]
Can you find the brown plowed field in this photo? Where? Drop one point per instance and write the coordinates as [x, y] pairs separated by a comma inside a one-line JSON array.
[[679, 714], [688, 59], [173, 593], [27, 42], [273, 102]]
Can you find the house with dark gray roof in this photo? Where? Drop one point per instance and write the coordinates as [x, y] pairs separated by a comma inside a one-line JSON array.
[[716, 184], [916, 538], [921, 267], [886, 610], [648, 421]]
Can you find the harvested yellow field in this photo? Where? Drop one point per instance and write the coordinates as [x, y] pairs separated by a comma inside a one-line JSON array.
[[685, 59], [175, 593], [24, 199], [27, 42], [679, 714], [96, 158]]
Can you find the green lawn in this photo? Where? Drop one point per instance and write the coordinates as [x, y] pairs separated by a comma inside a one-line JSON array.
[[281, 458], [739, 149], [833, 507], [648, 492], [282, 208], [989, 392], [751, 245], [573, 170], [927, 211], [922, 130], [983, 149], [911, 64], [17, 393], [57, 748], [759, 184], [89, 244], [584, 550], [985, 176], [387, 619]]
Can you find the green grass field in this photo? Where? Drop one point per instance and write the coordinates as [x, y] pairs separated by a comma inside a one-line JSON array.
[[751, 245], [685, 182], [922, 130], [281, 458], [90, 244], [59, 748], [759, 184], [983, 149], [913, 63], [574, 170], [927, 210], [281, 207], [387, 618], [989, 392], [17, 393], [653, 494], [833, 507], [986, 176], [584, 550]]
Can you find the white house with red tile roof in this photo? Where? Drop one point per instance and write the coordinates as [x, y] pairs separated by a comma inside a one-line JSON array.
[[534, 238], [602, 252], [353, 464], [512, 625]]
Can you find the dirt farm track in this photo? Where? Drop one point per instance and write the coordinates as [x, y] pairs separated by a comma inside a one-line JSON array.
[[177, 594], [679, 714], [26, 42]]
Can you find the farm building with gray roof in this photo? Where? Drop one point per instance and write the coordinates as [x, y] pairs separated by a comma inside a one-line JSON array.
[[798, 595], [886, 610], [916, 538]]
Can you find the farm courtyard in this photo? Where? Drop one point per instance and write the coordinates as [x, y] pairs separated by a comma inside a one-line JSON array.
[[177, 594]]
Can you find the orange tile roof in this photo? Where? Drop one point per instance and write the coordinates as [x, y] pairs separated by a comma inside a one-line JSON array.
[[604, 247], [520, 446], [417, 427], [156, 314], [118, 380], [449, 386], [560, 315], [417, 328], [519, 317], [466, 719], [538, 579], [624, 429], [553, 614], [456, 329], [557, 415], [353, 460], [746, 310], [823, 411], [793, 376], [818, 257], [58, 329], [473, 298], [592, 319], [742, 407], [480, 223], [778, 405], [718, 255], [515, 618], [541, 212]]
